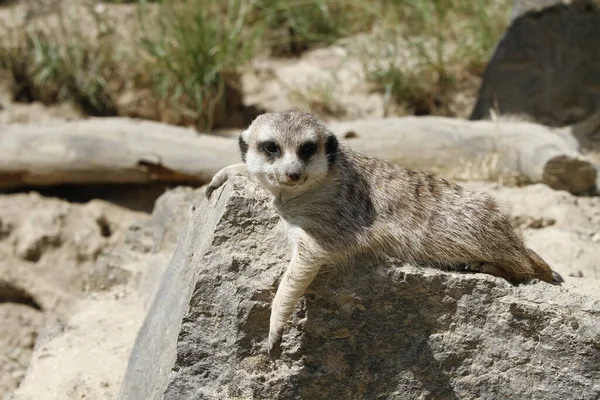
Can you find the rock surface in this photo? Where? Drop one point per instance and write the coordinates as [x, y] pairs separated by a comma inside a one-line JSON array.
[[545, 67], [393, 331]]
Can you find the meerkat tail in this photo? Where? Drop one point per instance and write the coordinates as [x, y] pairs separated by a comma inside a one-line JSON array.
[[542, 270], [520, 270]]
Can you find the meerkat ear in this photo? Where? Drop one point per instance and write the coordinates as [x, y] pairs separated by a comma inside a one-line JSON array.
[[243, 144], [331, 147]]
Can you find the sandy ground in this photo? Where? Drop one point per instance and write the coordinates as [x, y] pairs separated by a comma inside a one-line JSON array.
[[47, 249]]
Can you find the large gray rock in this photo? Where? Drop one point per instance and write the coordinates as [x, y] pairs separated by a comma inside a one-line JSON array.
[[546, 66], [205, 252], [387, 331]]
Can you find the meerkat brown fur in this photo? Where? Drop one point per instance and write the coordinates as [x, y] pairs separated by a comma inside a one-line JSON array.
[[337, 205]]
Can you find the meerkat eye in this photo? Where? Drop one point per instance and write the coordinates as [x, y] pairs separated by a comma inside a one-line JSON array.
[[307, 150], [270, 148]]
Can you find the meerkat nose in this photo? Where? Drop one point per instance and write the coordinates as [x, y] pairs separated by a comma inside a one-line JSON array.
[[293, 176]]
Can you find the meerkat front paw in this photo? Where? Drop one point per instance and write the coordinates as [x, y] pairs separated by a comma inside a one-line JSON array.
[[274, 346], [223, 175], [217, 181]]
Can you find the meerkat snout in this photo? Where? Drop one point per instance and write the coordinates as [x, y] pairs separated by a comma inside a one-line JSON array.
[[293, 177]]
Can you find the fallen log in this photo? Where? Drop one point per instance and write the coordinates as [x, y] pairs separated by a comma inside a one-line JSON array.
[[446, 145], [121, 150], [109, 150]]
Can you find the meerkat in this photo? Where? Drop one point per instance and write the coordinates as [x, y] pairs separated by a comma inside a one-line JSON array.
[[337, 204]]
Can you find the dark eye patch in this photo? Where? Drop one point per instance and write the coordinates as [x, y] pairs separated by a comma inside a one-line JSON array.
[[307, 150], [270, 149], [331, 148], [243, 148]]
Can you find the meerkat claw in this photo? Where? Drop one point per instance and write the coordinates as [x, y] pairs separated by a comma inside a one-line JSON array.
[[212, 186], [223, 175], [218, 180], [209, 191], [274, 348]]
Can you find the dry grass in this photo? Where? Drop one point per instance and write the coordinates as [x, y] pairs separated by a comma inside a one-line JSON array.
[[319, 98], [180, 61], [434, 52], [487, 168], [63, 59], [192, 50]]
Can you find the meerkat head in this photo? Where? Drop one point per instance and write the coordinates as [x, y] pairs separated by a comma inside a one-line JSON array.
[[288, 151]]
